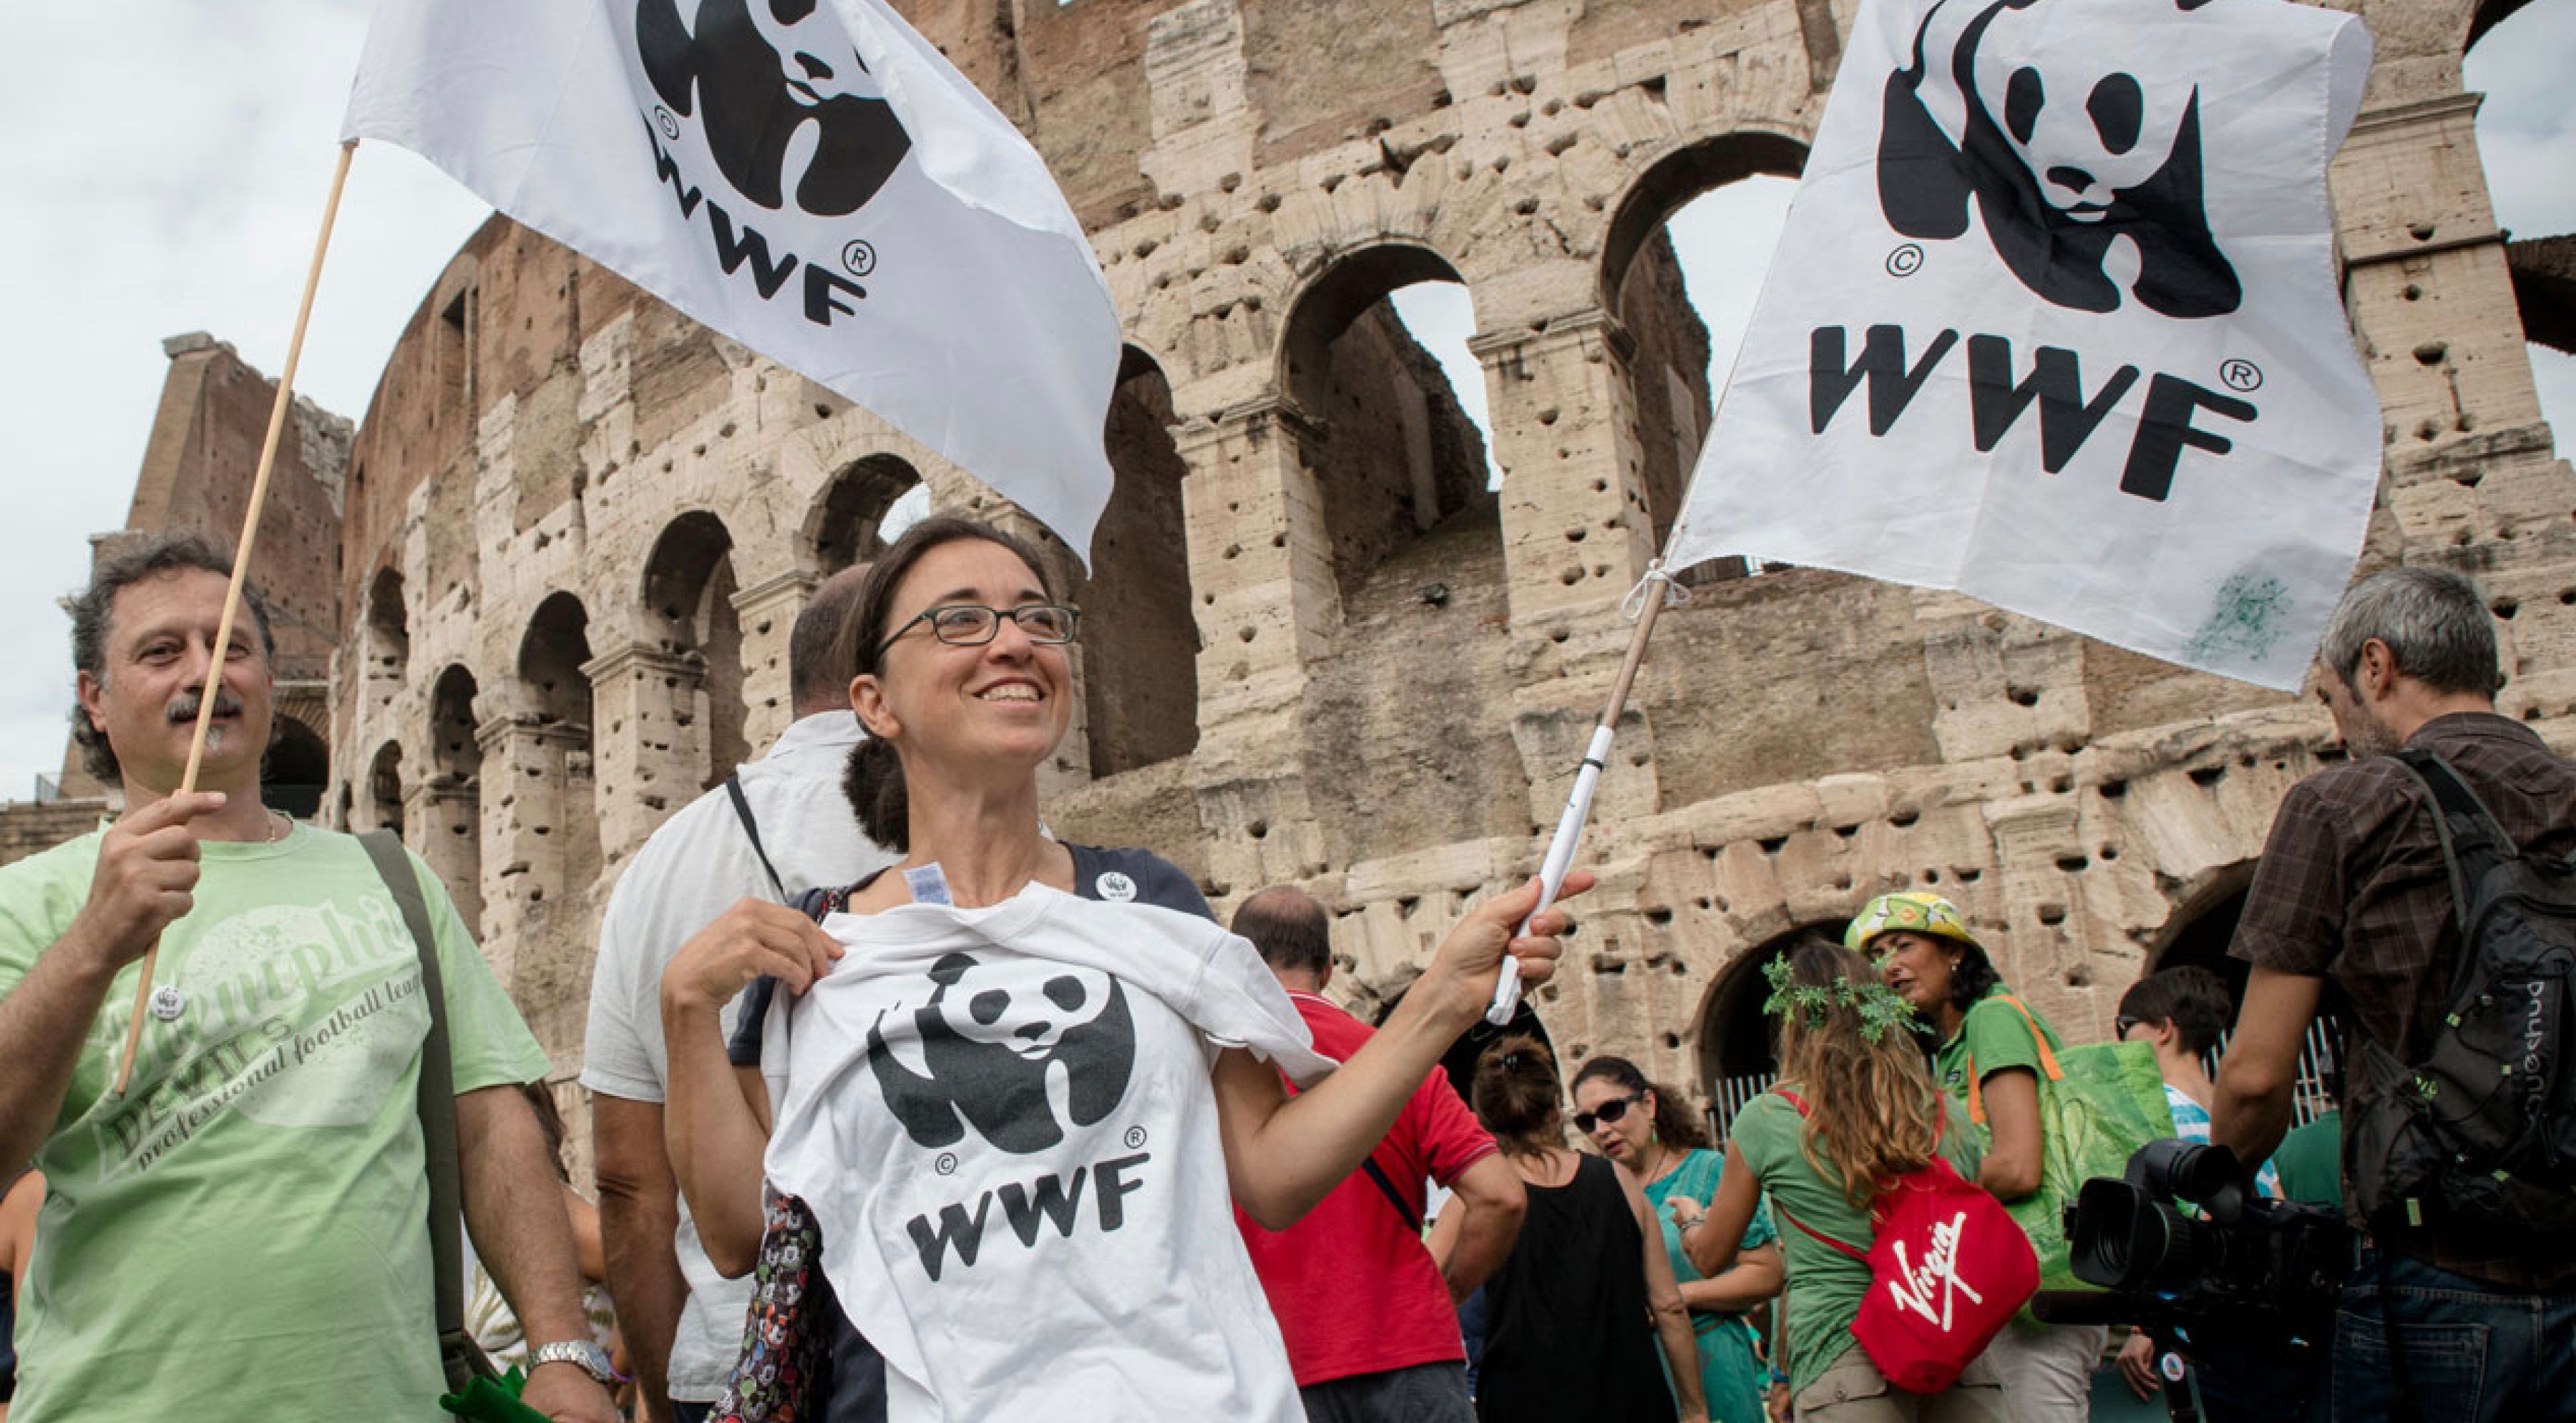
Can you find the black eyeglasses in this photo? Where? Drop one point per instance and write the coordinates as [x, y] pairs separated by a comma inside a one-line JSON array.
[[1610, 1111], [972, 625], [2121, 1025]]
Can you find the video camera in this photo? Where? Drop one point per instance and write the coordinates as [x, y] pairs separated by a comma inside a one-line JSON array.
[[2239, 1264]]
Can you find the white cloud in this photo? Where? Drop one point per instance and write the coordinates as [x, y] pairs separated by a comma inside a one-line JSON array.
[[177, 189]]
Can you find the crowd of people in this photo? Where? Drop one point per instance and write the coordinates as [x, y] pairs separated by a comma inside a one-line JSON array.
[[904, 1108]]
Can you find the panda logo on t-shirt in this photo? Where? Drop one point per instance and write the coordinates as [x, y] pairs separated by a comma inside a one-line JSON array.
[[1018, 1048]]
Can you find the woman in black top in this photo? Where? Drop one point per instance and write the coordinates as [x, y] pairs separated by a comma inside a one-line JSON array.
[[1576, 1312]]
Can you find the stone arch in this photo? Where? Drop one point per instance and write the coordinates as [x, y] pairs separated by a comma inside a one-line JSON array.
[[847, 524], [2202, 925], [1140, 680], [1392, 453], [451, 831], [1672, 390], [385, 789], [296, 773], [554, 821], [689, 616], [2485, 16], [1736, 1041], [387, 648]]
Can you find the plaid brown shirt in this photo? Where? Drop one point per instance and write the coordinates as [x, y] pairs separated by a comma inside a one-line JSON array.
[[2352, 889]]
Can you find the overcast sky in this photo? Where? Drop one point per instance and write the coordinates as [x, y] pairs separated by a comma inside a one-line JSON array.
[[179, 192]]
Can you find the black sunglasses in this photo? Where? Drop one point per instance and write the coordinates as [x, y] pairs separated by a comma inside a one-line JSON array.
[[1610, 1111], [2121, 1025]]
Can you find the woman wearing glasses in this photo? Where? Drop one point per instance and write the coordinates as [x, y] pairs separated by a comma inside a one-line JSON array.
[[1018, 1084], [1661, 1142]]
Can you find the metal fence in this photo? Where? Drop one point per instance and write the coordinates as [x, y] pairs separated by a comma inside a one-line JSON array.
[[2309, 1097]]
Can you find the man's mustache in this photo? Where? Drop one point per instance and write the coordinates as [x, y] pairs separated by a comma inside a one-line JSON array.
[[185, 708]]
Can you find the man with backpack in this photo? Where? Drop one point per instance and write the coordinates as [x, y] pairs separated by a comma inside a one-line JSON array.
[[2460, 1143]]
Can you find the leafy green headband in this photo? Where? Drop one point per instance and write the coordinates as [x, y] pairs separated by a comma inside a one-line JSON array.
[[1878, 1006]]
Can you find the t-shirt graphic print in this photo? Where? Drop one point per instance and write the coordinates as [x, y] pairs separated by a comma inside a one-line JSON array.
[[1003, 1123]]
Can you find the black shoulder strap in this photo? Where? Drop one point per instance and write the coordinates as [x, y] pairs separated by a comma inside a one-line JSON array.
[[456, 1348], [2456, 809], [1394, 1197], [751, 827]]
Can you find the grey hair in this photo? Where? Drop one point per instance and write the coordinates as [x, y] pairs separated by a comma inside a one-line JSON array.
[[2434, 621]]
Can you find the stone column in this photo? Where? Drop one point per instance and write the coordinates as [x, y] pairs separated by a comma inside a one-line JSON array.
[[2425, 279], [649, 748], [767, 611], [538, 827], [1577, 535], [1261, 564], [444, 827]]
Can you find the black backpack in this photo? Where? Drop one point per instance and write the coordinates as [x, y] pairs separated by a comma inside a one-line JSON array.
[[2479, 1138]]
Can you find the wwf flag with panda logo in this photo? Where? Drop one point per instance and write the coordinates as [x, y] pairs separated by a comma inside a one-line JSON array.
[[808, 177], [2054, 322]]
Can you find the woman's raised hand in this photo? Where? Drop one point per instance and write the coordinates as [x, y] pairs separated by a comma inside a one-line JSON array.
[[752, 939], [1472, 955]]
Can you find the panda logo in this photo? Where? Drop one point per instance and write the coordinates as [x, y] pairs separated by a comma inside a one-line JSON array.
[[1019, 1050], [783, 95], [2063, 151]]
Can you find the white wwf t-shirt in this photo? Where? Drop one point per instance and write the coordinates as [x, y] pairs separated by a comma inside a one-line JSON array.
[[1003, 1121]]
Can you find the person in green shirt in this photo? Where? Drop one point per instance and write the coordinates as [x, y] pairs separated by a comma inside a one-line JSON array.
[[243, 1231], [1990, 1047], [2311, 1161], [1873, 1115]]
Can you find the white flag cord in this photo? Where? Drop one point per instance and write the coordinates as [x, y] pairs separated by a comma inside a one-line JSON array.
[[1644, 602], [241, 570]]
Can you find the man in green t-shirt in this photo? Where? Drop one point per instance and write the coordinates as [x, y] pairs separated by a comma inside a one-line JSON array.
[[243, 1232]]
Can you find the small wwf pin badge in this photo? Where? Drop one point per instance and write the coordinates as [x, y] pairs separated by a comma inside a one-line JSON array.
[[1113, 884], [168, 1003]]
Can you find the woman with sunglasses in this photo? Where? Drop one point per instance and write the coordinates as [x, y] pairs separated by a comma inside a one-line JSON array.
[[1019, 1083], [1584, 1308], [1661, 1142]]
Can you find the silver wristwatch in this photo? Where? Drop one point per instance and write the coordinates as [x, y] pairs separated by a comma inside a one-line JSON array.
[[581, 1354]]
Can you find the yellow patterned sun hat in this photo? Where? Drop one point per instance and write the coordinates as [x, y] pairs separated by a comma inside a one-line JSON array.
[[1912, 911]]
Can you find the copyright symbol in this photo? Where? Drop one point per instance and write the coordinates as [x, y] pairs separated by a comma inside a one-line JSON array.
[[946, 1165], [662, 120], [2243, 377], [1905, 261], [1135, 1137], [860, 258]]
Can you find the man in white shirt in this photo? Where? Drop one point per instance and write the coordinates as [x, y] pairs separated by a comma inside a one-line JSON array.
[[790, 830]]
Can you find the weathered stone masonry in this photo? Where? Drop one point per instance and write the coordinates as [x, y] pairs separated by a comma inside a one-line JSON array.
[[1318, 649]]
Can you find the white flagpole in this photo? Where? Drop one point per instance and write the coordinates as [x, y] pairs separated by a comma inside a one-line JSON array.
[[1655, 589], [241, 570]]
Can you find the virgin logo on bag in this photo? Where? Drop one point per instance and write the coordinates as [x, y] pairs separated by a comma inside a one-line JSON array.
[[1948, 1269]]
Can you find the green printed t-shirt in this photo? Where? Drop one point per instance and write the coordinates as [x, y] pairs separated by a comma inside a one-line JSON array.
[[245, 1233], [1825, 1286], [1997, 1036]]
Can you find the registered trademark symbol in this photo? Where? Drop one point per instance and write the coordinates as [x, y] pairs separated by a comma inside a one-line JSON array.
[[860, 258], [2241, 376], [946, 1165], [662, 120], [1905, 261], [1135, 1137]]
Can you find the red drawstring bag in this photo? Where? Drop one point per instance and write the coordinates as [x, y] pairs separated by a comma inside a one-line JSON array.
[[1948, 1269]]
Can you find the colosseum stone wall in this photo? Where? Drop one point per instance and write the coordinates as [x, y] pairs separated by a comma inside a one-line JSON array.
[[1319, 649]]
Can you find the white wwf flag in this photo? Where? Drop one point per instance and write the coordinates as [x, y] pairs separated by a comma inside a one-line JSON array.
[[2054, 322], [808, 177]]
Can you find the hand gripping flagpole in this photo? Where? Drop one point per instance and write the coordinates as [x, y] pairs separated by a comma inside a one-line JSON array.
[[241, 567], [1653, 592]]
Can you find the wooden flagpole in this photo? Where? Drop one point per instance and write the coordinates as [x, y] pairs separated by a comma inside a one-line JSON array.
[[1656, 588], [241, 567]]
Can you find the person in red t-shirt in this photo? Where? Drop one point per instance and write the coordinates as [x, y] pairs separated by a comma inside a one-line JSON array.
[[1370, 1315]]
